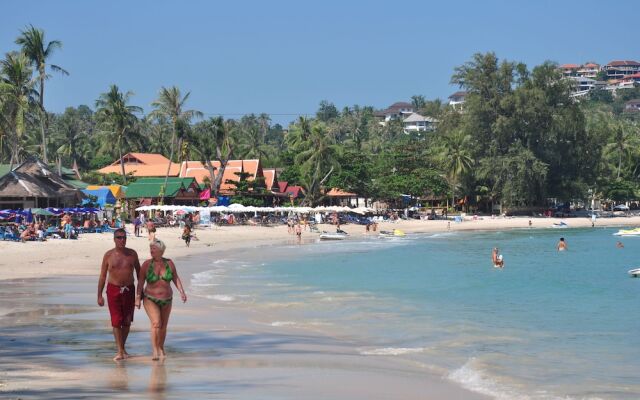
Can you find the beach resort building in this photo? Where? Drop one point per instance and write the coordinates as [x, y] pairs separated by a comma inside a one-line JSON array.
[[33, 184], [142, 165], [145, 165], [147, 191]]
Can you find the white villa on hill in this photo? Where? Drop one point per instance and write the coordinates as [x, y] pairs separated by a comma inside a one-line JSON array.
[[417, 123], [399, 110]]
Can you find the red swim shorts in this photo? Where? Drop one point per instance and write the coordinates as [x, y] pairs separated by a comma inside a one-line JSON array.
[[121, 300]]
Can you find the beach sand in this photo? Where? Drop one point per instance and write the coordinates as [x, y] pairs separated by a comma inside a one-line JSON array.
[[55, 342]]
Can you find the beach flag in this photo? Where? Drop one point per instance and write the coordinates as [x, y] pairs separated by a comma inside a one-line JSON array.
[[205, 194]]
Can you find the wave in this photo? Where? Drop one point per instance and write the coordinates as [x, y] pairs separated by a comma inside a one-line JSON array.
[[471, 376], [221, 297], [394, 351]]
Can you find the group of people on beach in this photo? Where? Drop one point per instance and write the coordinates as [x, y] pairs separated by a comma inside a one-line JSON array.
[[120, 268]]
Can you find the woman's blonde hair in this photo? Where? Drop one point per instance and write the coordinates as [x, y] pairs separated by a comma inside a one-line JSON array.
[[159, 244]]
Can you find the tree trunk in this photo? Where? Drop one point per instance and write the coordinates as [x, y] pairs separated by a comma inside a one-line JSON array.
[[218, 180], [124, 175], [212, 176], [43, 119], [166, 177]]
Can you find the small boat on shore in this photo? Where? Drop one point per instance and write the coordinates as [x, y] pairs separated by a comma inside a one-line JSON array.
[[628, 232], [560, 225], [333, 236], [634, 273]]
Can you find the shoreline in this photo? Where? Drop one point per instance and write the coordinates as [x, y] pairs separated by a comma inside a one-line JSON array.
[[61, 257], [50, 294]]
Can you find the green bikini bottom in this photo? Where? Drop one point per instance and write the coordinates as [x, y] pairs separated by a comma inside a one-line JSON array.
[[160, 302]]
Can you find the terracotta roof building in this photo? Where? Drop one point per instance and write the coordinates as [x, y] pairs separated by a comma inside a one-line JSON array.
[[142, 165], [619, 69]]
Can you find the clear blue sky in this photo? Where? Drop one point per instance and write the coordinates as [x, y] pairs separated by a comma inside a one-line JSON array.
[[284, 57]]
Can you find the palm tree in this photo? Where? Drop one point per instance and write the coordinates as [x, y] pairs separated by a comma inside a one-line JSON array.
[[70, 134], [170, 104], [455, 157], [39, 52], [117, 118], [18, 97], [318, 160], [213, 143], [625, 139]]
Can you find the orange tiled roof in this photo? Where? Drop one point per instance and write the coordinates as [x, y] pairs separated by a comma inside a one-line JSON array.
[[335, 192], [569, 66], [197, 170], [141, 170], [143, 158], [269, 178]]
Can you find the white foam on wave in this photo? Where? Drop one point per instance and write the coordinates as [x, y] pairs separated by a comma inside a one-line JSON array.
[[283, 323], [394, 351], [472, 377], [221, 297]]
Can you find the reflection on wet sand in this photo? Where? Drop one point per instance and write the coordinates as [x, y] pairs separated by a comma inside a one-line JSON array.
[[119, 377], [158, 380]]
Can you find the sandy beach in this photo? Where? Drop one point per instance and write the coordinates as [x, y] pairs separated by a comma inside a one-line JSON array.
[[55, 342]]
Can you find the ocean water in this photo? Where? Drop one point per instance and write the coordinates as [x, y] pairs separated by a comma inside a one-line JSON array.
[[550, 325]]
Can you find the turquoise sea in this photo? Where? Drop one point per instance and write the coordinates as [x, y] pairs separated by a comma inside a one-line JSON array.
[[550, 325]]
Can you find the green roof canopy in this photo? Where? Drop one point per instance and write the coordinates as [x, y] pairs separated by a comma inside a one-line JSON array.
[[151, 187]]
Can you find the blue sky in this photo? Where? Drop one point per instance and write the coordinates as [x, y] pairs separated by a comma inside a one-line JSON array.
[[284, 57]]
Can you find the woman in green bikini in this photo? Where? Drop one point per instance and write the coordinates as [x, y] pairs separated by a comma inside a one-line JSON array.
[[155, 278]]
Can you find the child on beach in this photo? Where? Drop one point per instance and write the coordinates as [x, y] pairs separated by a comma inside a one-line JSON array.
[[186, 235]]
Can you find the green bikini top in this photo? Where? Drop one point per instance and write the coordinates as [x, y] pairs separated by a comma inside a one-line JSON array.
[[152, 277]]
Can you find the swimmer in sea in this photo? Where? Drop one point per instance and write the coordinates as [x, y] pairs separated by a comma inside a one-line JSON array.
[[562, 245], [496, 258]]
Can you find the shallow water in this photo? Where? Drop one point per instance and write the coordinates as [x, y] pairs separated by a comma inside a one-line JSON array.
[[549, 325]]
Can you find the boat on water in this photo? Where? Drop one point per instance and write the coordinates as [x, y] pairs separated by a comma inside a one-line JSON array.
[[333, 236], [560, 225], [634, 273], [628, 232], [394, 233]]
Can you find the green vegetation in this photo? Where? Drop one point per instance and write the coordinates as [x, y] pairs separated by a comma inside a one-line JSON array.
[[519, 140]]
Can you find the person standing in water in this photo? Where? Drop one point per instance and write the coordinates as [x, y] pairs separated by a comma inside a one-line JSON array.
[[119, 266], [496, 258], [562, 245], [154, 291]]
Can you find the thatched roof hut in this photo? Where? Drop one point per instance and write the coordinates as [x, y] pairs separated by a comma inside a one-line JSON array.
[[34, 184]]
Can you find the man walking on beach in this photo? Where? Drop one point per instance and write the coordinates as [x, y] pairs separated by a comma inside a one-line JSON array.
[[119, 265]]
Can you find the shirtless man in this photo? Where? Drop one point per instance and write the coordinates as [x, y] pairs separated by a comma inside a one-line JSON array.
[[562, 245], [120, 264]]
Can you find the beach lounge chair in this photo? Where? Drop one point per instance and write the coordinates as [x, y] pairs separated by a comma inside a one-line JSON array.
[[7, 235]]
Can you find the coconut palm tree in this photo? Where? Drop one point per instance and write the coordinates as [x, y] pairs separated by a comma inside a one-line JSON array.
[[455, 158], [69, 133], [318, 158], [38, 51], [624, 140], [213, 143], [18, 98], [116, 118], [170, 104]]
